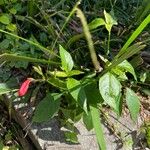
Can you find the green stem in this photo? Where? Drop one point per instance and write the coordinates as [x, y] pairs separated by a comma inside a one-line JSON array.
[[108, 44]]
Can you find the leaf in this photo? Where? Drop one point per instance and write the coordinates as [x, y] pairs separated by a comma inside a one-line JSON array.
[[4, 18], [110, 89], [66, 59], [13, 11], [92, 93], [110, 21], [125, 65], [96, 23], [74, 72], [133, 103], [146, 91], [98, 127], [77, 92], [38, 69], [65, 74], [4, 44], [57, 83], [134, 35], [71, 137], [11, 27], [5, 89], [120, 73], [130, 51], [47, 108], [87, 120]]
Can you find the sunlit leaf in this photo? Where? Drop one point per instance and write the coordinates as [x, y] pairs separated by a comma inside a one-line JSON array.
[[66, 59], [126, 66], [110, 21], [4, 18], [110, 89], [96, 23]]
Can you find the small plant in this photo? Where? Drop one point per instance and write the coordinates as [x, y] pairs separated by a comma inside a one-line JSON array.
[[74, 92]]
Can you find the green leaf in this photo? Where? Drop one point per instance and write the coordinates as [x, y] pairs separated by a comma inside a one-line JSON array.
[[92, 93], [74, 72], [4, 44], [57, 83], [96, 23], [130, 51], [71, 137], [4, 18], [5, 89], [120, 73], [134, 35], [13, 11], [110, 21], [146, 91], [66, 59], [65, 74], [11, 27], [98, 127], [87, 120], [133, 103], [125, 65], [110, 89], [77, 91], [38, 69], [47, 108]]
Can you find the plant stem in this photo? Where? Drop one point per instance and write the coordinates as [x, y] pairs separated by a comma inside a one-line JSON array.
[[108, 44], [89, 40]]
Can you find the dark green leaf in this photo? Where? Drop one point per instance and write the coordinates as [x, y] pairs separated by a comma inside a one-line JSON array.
[[133, 103], [87, 119], [47, 108], [92, 93]]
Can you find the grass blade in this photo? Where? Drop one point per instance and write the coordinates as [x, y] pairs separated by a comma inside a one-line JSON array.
[[45, 50], [134, 35], [13, 57]]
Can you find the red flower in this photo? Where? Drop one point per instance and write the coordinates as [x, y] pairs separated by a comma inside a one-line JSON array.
[[24, 87]]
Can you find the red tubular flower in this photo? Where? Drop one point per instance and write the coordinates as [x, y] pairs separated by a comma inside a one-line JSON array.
[[24, 87]]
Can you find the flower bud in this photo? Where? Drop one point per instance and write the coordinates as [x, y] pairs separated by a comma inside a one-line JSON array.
[[24, 87]]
